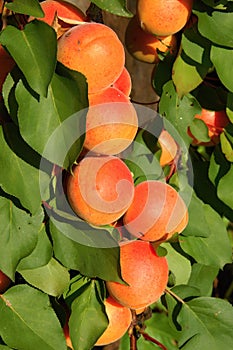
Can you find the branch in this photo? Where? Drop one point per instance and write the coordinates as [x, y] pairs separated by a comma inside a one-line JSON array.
[[168, 291], [153, 340]]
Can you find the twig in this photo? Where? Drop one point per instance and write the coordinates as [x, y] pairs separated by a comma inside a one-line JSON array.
[[168, 291], [153, 340]]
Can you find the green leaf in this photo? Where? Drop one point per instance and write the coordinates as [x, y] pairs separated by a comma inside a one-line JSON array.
[[179, 112], [40, 255], [219, 55], [199, 130], [215, 24], [229, 108], [224, 189], [117, 7], [185, 76], [20, 175], [227, 146], [162, 73], [178, 264], [202, 277], [52, 124], [18, 235], [219, 165], [207, 323], [202, 248], [27, 7], [90, 257], [37, 44], [52, 278], [88, 319], [28, 320]]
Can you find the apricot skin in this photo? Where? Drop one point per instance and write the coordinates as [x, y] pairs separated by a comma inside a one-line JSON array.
[[156, 213], [4, 282], [168, 148], [215, 121], [100, 189], [111, 122], [163, 17], [145, 273], [145, 46], [124, 82], [62, 9], [95, 50], [120, 318]]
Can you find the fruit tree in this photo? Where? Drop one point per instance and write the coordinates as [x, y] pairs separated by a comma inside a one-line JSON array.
[[116, 227]]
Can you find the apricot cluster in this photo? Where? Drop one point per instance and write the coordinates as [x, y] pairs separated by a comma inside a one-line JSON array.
[[153, 29]]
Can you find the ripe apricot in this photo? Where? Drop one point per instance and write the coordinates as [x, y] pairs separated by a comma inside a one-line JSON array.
[[163, 17], [95, 50], [124, 82], [119, 317], [4, 282], [6, 64], [145, 273], [215, 121], [144, 46], [101, 189], [111, 122], [65, 11], [168, 148], [156, 213]]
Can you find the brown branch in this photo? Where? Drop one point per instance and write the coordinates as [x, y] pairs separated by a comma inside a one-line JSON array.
[[153, 340]]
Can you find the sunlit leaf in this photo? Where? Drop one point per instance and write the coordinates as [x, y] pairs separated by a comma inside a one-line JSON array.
[[117, 7], [218, 56], [27, 7]]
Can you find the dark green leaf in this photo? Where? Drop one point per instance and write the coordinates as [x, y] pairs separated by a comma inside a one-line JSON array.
[[41, 254], [162, 73], [218, 167], [27, 7], [227, 146], [28, 320], [88, 319], [37, 44], [20, 175], [90, 257], [224, 189], [199, 130], [18, 235], [52, 278], [53, 124], [206, 323], [117, 7]]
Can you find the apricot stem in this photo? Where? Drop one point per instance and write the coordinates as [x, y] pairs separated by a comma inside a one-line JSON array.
[[168, 291]]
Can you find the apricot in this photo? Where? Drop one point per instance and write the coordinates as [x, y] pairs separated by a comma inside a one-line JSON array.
[[156, 213], [144, 46], [4, 282], [145, 273], [6, 63], [163, 17], [124, 82], [168, 146], [111, 122], [63, 10], [100, 189], [120, 318], [95, 50], [215, 121]]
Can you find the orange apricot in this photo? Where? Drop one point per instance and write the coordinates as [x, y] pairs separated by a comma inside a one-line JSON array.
[[4, 282], [168, 146], [145, 273], [6, 63], [63, 10], [111, 122], [144, 46], [163, 17], [120, 318], [124, 82], [215, 121], [100, 190], [95, 50], [156, 213]]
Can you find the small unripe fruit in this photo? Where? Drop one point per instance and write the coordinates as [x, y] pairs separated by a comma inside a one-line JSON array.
[[156, 213], [101, 189], [145, 273], [163, 17], [94, 50]]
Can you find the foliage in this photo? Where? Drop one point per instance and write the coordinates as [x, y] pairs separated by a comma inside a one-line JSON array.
[[48, 265]]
